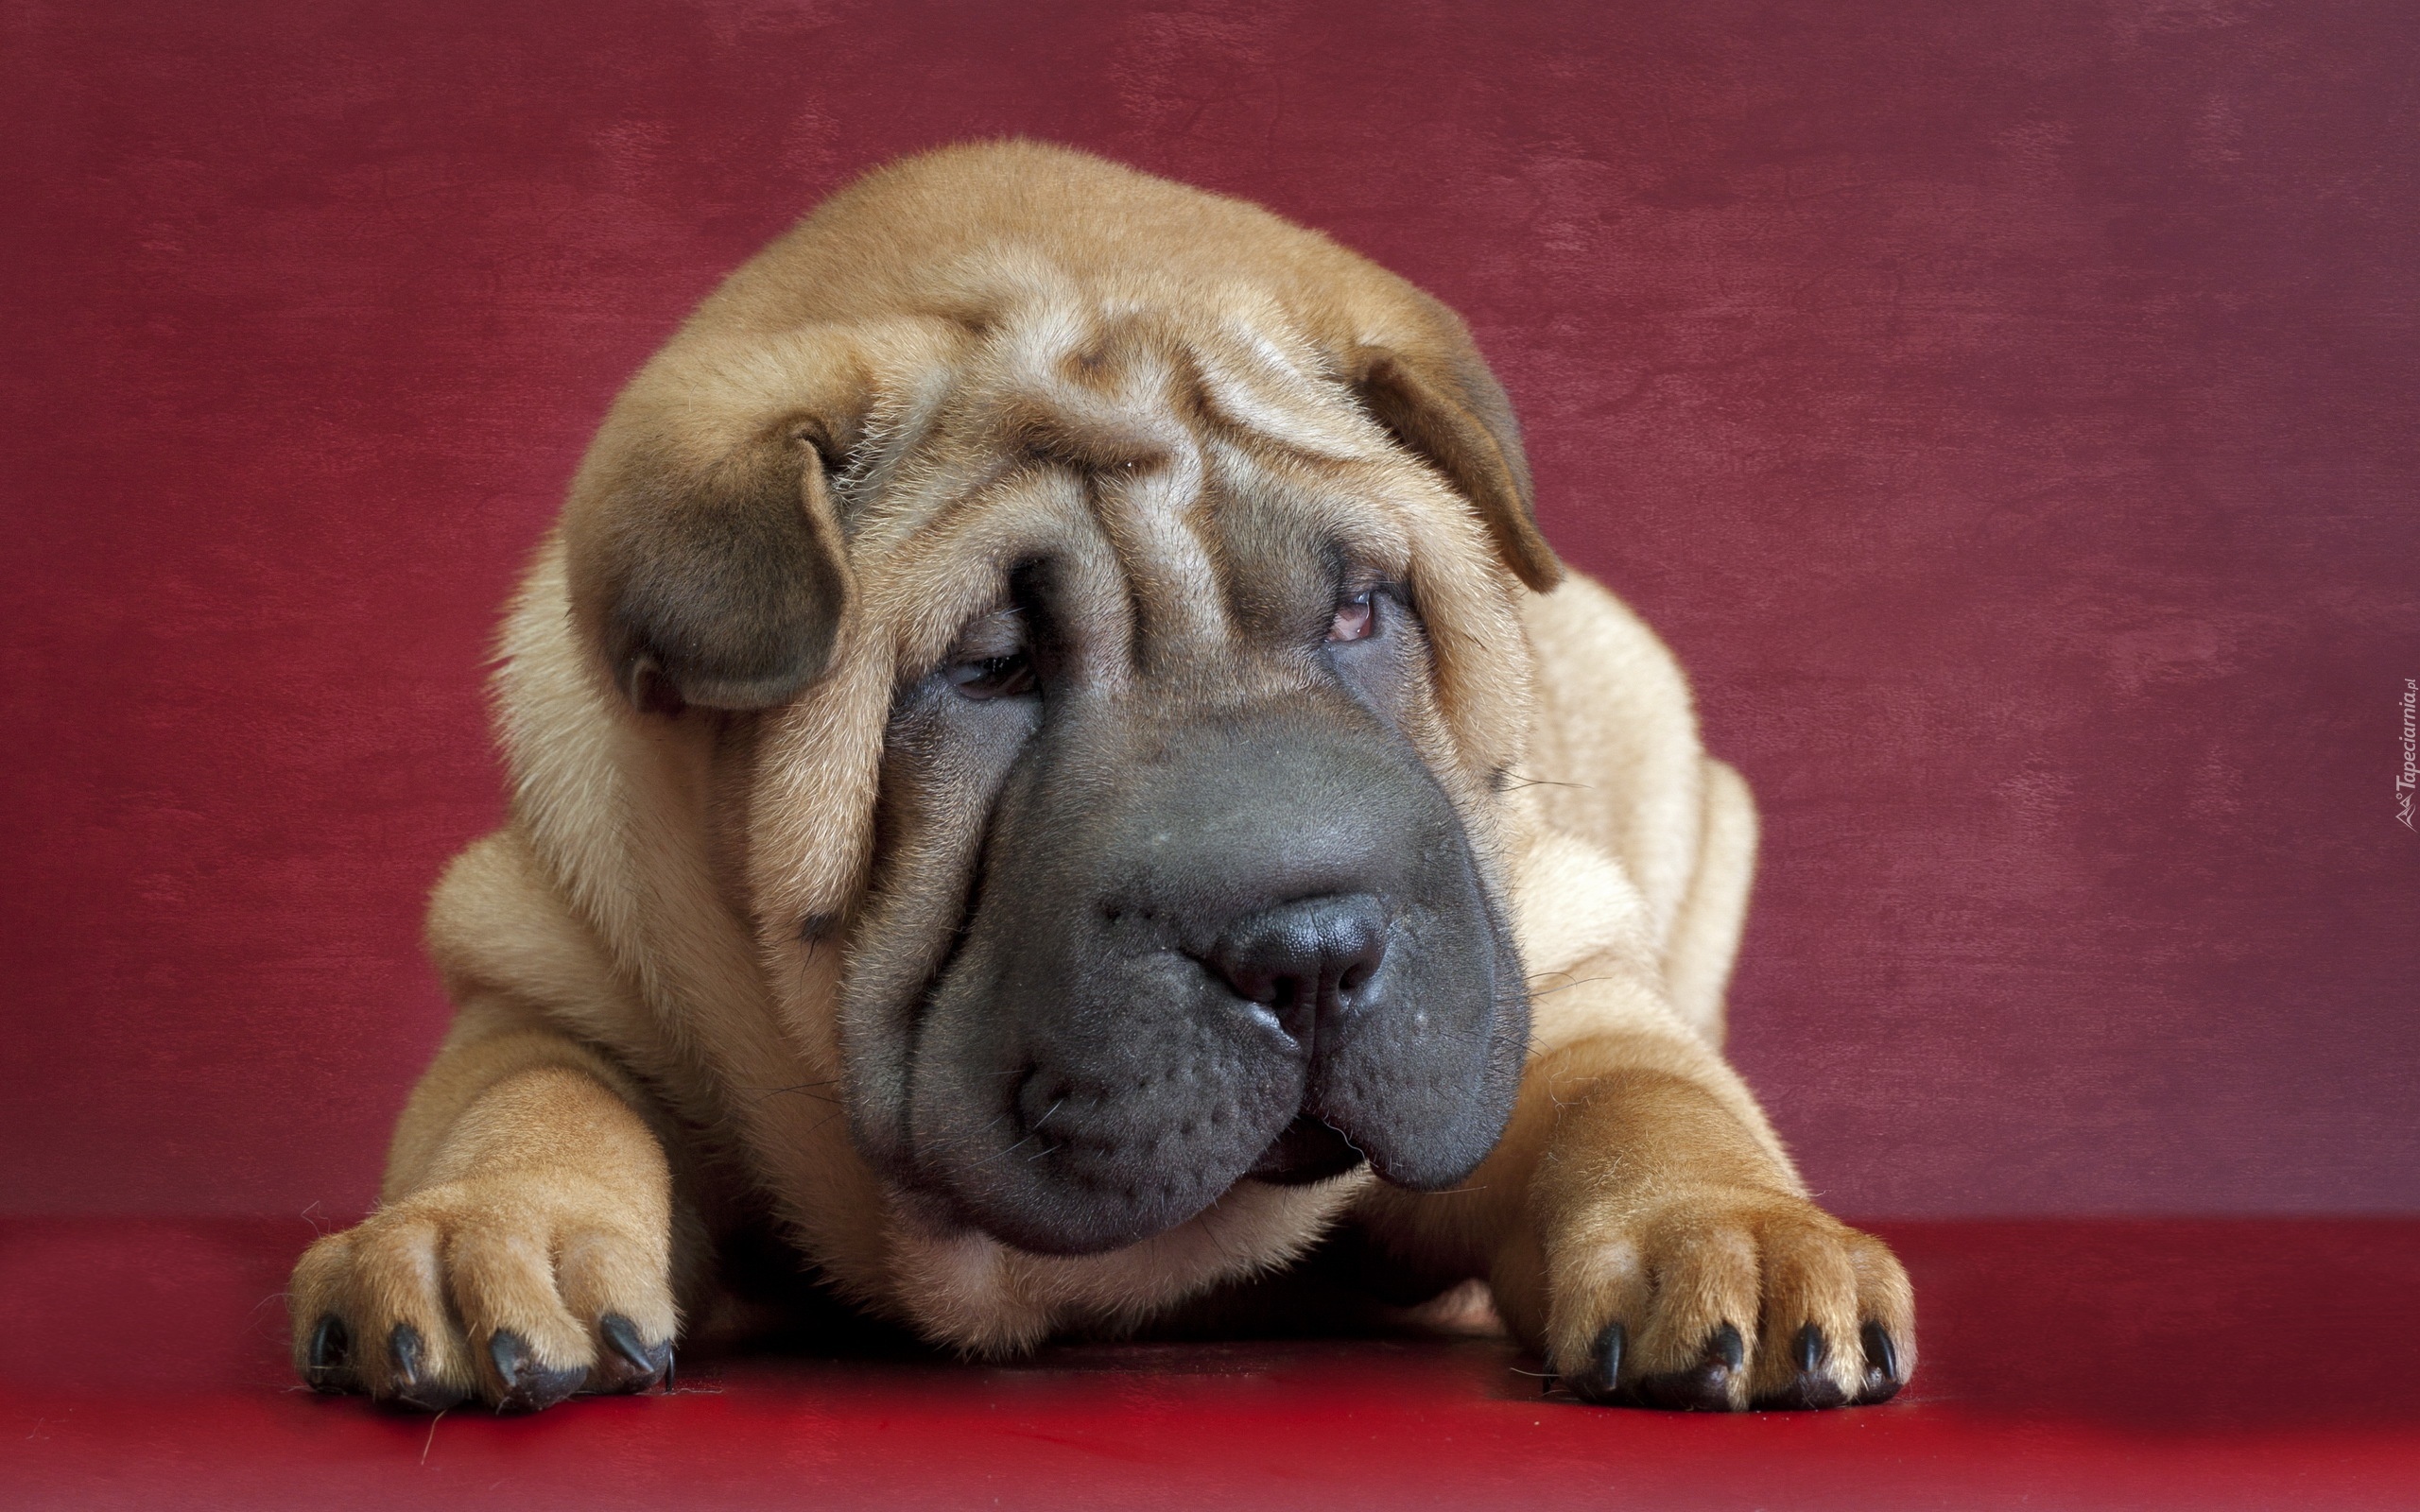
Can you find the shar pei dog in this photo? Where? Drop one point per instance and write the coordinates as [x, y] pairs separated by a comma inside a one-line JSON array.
[[1057, 789]]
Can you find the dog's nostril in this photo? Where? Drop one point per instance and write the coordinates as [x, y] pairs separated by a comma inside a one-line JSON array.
[[1303, 959]]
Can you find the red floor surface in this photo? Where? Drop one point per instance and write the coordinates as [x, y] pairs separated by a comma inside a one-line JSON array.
[[2154, 1364]]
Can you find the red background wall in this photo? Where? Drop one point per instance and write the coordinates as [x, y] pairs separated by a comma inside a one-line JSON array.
[[2007, 411]]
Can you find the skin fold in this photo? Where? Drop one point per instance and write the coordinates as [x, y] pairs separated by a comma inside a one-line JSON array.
[[1054, 775]]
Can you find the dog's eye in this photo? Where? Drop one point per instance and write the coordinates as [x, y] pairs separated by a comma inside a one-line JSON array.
[[1357, 618], [989, 660], [997, 677]]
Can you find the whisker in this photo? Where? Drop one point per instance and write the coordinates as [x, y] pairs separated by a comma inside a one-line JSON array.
[[1516, 780], [1577, 981]]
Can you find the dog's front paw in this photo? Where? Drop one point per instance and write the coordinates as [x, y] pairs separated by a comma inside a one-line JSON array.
[[517, 1292], [1718, 1299]]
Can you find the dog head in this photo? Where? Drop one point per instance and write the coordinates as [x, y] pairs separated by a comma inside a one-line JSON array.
[[1107, 592]]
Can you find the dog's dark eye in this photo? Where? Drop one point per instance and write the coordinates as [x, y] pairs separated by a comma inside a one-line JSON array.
[[997, 677], [1357, 618], [990, 659]]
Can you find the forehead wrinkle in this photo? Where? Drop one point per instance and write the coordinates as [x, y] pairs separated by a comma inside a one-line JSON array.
[[1250, 381], [1104, 420], [934, 489], [892, 457], [1033, 327], [1356, 506], [923, 584], [1105, 399], [1087, 437], [968, 429], [1156, 523]]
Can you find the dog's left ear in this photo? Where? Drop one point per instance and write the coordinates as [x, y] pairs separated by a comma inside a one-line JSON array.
[[707, 563], [706, 559], [1436, 397], [718, 583]]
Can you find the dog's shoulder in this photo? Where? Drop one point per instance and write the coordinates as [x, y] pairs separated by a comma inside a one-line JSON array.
[[1614, 737]]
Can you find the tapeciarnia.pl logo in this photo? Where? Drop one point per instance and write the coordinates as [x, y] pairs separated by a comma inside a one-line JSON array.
[[2406, 778]]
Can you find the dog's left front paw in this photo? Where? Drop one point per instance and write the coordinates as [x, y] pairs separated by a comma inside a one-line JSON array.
[[1721, 1299]]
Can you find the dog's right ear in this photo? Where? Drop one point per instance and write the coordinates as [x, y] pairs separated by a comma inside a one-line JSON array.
[[716, 581]]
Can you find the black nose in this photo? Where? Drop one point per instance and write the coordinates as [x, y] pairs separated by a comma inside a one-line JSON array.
[[1308, 961]]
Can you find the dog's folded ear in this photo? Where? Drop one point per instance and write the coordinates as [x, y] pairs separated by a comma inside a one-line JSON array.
[[1437, 397], [718, 581]]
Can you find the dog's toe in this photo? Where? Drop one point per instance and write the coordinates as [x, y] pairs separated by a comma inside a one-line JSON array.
[[327, 1359], [411, 1381], [628, 1363], [525, 1382], [1599, 1377], [1813, 1383], [1880, 1376], [1706, 1385]]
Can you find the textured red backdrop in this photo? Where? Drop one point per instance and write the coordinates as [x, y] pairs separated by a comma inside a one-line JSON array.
[[2007, 411]]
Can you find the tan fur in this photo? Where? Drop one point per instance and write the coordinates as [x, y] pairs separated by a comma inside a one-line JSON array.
[[647, 1042]]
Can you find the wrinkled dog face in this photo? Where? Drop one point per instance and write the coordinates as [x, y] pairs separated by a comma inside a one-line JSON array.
[[1167, 891]]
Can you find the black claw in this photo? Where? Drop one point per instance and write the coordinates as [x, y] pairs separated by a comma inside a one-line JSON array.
[[1705, 1386], [1812, 1388], [1728, 1345], [622, 1335], [1881, 1377], [1599, 1379], [505, 1352], [414, 1385], [403, 1351], [632, 1366], [330, 1350], [527, 1387]]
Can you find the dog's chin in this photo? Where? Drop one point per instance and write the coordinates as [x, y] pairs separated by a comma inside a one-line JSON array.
[[1306, 1152]]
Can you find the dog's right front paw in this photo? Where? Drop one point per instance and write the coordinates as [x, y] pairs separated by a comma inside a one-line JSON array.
[[513, 1291]]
